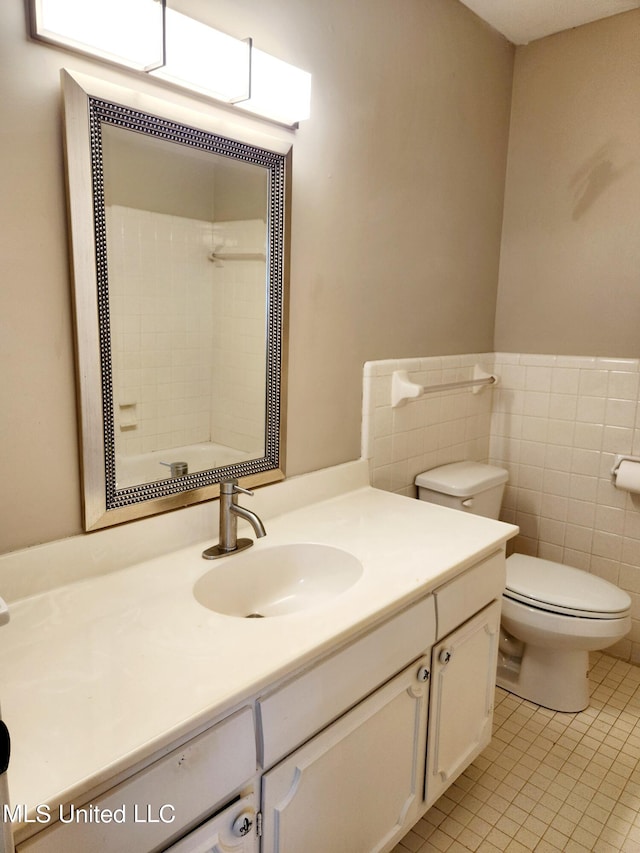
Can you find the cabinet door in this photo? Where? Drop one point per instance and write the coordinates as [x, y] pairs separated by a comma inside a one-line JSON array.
[[463, 680], [357, 786]]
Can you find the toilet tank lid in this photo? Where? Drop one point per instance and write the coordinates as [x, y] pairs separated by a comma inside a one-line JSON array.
[[462, 479], [556, 586]]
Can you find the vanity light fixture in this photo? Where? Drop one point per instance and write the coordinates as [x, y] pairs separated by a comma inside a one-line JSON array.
[[278, 90], [202, 59], [127, 32], [147, 36]]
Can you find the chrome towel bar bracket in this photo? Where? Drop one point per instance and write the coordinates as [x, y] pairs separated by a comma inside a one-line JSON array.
[[403, 389]]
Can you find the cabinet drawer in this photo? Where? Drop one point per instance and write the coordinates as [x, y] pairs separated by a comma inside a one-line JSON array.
[[160, 802], [465, 595], [299, 709]]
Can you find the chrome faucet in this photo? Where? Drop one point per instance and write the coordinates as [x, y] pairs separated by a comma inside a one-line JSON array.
[[178, 469], [229, 511]]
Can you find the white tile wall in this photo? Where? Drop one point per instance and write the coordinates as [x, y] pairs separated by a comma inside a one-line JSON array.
[[555, 423], [239, 352], [161, 301], [176, 317], [440, 427]]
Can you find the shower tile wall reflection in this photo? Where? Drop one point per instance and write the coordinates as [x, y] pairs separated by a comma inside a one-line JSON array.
[[239, 354], [187, 332], [161, 302]]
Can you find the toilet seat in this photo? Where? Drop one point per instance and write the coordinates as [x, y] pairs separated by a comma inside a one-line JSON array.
[[557, 588]]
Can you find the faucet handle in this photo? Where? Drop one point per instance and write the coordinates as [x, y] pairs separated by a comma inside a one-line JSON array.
[[231, 487], [239, 490]]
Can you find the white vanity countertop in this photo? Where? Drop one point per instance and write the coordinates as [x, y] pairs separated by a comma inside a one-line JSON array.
[[102, 673]]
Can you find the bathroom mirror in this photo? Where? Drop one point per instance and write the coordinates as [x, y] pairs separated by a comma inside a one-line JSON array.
[[179, 246]]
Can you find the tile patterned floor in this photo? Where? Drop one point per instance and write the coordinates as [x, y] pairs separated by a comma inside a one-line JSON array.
[[548, 782]]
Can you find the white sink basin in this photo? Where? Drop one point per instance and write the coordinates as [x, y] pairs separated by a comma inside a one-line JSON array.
[[277, 581]]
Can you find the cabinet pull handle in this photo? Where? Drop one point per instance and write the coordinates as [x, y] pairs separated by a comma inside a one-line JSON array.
[[444, 657]]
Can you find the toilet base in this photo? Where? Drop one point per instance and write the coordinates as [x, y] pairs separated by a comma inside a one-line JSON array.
[[554, 678]]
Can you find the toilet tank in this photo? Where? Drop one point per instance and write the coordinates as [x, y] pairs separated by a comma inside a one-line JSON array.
[[469, 486]]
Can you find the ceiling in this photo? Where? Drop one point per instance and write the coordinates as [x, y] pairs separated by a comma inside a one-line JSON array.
[[522, 21]]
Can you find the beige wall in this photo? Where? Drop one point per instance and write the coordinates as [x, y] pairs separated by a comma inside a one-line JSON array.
[[570, 260], [397, 201]]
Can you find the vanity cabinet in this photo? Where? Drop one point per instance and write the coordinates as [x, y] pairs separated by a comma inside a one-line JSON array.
[[164, 800], [357, 785], [301, 707], [350, 736], [344, 755], [463, 680], [463, 671], [361, 783]]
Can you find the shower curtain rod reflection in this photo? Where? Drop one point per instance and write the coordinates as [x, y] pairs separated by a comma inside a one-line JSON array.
[[236, 256]]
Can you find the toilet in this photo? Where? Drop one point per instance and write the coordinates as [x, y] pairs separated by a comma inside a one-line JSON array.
[[552, 615]]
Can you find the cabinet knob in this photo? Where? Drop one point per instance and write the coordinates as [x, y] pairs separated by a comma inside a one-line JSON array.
[[243, 824], [423, 674], [445, 656]]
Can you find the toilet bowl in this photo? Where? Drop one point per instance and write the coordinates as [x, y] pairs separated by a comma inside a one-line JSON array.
[[552, 615]]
